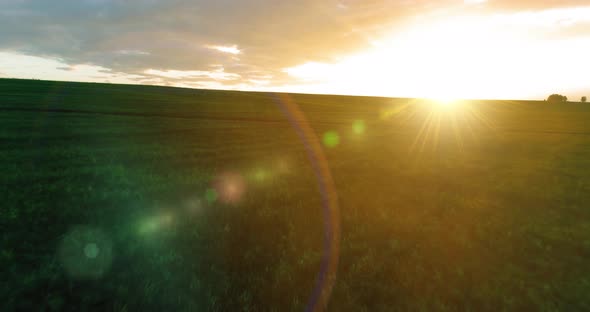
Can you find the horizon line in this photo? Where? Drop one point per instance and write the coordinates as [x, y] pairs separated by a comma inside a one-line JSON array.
[[276, 92]]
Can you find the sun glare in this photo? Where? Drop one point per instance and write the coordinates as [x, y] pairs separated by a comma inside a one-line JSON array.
[[461, 57], [445, 102], [442, 59]]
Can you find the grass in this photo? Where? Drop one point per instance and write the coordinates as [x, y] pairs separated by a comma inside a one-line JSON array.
[[483, 207]]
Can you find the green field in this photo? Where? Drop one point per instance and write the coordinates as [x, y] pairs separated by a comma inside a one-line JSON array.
[[110, 202]]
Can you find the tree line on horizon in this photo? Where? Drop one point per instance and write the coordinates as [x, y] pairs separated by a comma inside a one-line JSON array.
[[558, 98]]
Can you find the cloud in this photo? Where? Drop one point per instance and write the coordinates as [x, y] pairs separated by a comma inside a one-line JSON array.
[[132, 52], [219, 74], [535, 5], [132, 36], [475, 1], [226, 49], [248, 39], [23, 66]]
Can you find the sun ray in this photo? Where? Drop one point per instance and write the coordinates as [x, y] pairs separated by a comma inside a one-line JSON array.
[[437, 132], [409, 117], [457, 133], [468, 123], [483, 120], [421, 133]]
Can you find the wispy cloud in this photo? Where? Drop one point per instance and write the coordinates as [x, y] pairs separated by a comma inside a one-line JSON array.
[[219, 74], [16, 65], [475, 1], [132, 52], [549, 19], [226, 49]]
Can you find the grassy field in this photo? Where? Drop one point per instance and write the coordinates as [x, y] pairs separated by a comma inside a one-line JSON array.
[[111, 201]]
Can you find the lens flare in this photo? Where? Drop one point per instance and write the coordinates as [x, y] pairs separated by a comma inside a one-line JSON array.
[[148, 226], [229, 187], [261, 175], [327, 274], [331, 139], [194, 206], [358, 127], [155, 223], [210, 195], [91, 250], [85, 253]]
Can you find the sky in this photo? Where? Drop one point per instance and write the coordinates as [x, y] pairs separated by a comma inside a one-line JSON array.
[[492, 49]]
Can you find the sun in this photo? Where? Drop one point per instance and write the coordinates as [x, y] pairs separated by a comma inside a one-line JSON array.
[[445, 104], [445, 101]]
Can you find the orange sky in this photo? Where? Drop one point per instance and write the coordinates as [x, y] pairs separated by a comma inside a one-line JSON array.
[[405, 48]]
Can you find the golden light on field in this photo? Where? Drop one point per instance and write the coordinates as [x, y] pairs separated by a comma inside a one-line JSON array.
[[442, 123]]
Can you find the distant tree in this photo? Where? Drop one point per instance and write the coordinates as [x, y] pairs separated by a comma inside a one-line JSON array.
[[584, 99], [557, 98]]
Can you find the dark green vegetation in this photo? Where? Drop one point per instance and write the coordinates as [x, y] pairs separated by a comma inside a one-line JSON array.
[[557, 98], [482, 207]]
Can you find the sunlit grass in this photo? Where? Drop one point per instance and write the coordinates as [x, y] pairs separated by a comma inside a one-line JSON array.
[[426, 230]]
